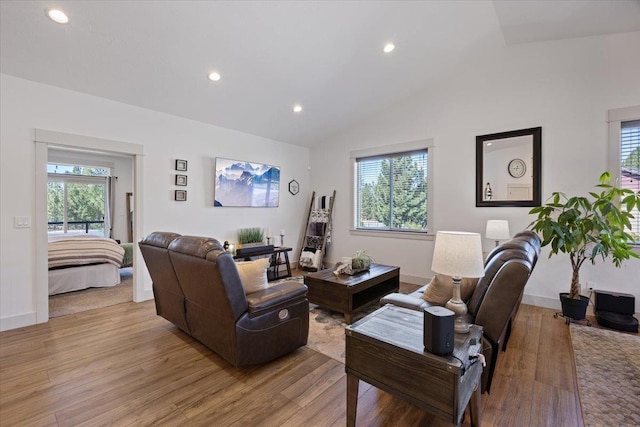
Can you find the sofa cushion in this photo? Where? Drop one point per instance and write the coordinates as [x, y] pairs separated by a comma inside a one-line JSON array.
[[253, 274], [440, 289]]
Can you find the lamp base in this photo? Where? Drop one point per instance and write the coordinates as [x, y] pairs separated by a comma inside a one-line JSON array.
[[455, 304]]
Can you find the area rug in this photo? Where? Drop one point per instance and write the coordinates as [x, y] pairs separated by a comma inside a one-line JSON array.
[[326, 327], [326, 330], [88, 299], [608, 371]]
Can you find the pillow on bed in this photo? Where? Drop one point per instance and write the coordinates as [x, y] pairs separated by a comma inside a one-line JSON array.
[[440, 289], [253, 274]]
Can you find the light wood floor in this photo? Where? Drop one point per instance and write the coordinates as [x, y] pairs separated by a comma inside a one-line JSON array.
[[123, 365]]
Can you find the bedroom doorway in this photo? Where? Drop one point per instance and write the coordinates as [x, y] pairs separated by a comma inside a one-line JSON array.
[[54, 147], [87, 229]]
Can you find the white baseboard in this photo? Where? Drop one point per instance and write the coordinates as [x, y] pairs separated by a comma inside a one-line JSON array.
[[540, 301], [147, 294], [18, 321], [414, 280]]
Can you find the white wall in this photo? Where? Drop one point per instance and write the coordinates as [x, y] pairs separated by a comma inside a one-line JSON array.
[[565, 86], [25, 105]]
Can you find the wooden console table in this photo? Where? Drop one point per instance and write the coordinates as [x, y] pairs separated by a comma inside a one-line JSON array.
[[275, 261], [386, 349]]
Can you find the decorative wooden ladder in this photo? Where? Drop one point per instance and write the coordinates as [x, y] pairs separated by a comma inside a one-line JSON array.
[[317, 229]]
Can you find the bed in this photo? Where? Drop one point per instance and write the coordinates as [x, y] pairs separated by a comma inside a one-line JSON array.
[[83, 261]]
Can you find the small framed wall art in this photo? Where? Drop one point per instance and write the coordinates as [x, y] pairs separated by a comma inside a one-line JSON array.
[[181, 180], [181, 195], [181, 165], [294, 187]]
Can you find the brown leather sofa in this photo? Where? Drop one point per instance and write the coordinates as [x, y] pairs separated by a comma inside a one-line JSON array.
[[196, 286], [496, 298]]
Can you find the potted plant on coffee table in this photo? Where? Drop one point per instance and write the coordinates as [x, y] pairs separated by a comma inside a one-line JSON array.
[[361, 261], [587, 228]]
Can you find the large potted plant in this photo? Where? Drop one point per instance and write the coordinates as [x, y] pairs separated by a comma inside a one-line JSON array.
[[587, 228]]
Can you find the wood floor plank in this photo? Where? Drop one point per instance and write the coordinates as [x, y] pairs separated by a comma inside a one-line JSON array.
[[307, 388], [35, 403], [329, 408], [151, 416], [154, 385], [269, 380], [123, 365], [553, 350], [551, 406]]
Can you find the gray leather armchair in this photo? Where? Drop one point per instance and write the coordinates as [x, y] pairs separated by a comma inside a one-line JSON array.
[[197, 287], [496, 298]]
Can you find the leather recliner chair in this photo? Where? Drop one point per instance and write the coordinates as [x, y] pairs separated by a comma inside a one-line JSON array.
[[167, 292], [244, 330], [496, 297]]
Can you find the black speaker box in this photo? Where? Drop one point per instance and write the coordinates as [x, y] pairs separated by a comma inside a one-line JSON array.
[[438, 330], [614, 302]]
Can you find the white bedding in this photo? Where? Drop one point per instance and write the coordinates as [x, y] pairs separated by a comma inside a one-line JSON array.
[[83, 261], [78, 250], [83, 277]]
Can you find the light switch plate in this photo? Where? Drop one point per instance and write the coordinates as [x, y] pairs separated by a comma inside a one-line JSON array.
[[22, 221]]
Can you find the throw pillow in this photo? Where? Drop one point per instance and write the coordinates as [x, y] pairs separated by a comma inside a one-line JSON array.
[[440, 289], [253, 274]]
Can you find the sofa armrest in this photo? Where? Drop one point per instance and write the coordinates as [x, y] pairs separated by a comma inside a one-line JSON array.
[[275, 297], [406, 301]]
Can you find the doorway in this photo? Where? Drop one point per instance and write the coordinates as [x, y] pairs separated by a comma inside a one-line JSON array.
[[45, 140]]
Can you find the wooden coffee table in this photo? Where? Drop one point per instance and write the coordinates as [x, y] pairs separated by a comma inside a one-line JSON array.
[[386, 349], [347, 294]]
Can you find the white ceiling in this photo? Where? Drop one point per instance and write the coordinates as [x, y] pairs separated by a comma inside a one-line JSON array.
[[325, 55]]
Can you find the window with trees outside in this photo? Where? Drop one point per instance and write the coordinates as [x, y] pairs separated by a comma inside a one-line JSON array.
[[392, 191], [630, 164], [76, 199], [624, 153]]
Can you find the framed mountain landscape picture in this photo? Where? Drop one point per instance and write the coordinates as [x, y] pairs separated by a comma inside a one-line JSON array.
[[246, 184]]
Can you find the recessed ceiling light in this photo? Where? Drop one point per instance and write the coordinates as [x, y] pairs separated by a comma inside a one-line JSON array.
[[388, 47], [214, 76], [297, 108], [57, 15], [489, 144]]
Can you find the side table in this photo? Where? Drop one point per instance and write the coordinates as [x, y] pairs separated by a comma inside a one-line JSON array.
[[386, 350]]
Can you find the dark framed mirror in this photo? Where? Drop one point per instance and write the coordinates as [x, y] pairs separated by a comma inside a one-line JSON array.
[[508, 168]]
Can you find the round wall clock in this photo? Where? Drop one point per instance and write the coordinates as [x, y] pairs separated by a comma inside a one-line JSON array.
[[517, 168], [294, 187]]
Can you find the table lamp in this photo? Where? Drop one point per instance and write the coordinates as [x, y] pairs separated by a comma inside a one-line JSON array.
[[497, 229], [458, 254]]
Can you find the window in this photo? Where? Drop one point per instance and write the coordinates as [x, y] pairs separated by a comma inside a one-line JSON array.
[[76, 199], [624, 153], [391, 189], [630, 164]]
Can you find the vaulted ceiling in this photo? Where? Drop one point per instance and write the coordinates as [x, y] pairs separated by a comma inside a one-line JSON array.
[[326, 56]]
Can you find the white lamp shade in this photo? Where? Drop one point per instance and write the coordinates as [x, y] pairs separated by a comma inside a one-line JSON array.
[[458, 254], [497, 229]]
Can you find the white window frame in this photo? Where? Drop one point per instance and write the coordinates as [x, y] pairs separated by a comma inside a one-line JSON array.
[[385, 151], [615, 118], [79, 179]]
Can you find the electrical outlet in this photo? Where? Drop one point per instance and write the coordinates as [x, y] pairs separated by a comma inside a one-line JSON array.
[[591, 286]]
